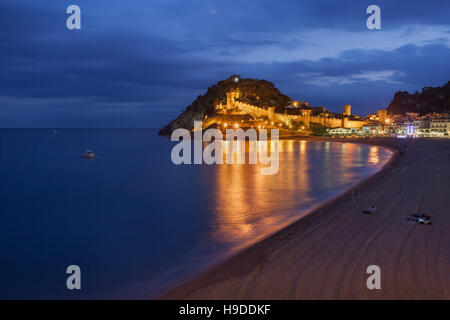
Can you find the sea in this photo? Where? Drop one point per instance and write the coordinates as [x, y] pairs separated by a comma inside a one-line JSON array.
[[134, 223]]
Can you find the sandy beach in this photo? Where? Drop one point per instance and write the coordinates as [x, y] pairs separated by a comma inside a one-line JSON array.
[[325, 255]]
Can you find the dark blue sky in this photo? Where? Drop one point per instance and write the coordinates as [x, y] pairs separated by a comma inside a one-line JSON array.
[[139, 63]]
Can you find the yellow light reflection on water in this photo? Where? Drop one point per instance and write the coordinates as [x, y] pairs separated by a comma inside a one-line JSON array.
[[374, 155], [250, 205], [247, 206]]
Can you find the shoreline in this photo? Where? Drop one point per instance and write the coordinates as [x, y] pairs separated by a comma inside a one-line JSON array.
[[216, 282], [223, 259]]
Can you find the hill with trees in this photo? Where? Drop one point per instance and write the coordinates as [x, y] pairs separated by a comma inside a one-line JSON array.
[[257, 92], [429, 100]]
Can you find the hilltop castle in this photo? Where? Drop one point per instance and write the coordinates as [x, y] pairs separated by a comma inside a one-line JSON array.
[[256, 103], [295, 113]]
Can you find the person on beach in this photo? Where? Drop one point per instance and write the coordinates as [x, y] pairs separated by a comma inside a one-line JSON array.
[[370, 210]]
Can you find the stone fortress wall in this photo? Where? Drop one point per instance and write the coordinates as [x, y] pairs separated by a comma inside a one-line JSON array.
[[305, 117]]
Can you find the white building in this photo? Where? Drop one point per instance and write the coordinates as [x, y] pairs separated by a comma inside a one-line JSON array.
[[372, 129], [340, 132], [440, 127], [426, 128]]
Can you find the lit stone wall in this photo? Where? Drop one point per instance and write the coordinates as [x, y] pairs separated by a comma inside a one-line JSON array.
[[307, 119]]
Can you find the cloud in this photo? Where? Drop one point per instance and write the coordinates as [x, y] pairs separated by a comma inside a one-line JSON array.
[[140, 65], [315, 44], [322, 80]]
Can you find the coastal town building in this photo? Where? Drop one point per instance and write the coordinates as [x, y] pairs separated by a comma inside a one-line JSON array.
[[345, 132], [382, 116], [440, 127], [423, 127], [339, 132], [429, 127]]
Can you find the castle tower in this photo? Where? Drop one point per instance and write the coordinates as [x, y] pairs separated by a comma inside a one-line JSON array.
[[382, 116], [347, 109], [230, 100], [271, 113], [307, 117]]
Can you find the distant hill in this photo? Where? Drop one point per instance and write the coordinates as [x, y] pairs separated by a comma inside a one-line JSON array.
[[257, 92], [429, 100]]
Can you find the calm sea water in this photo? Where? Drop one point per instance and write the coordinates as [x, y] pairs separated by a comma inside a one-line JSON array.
[[134, 222]]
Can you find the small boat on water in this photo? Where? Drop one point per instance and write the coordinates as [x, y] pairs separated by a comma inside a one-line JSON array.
[[88, 155]]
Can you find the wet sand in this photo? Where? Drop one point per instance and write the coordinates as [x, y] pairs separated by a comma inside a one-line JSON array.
[[325, 255]]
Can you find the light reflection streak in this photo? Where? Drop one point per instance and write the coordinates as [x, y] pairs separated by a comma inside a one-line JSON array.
[[374, 156], [247, 205]]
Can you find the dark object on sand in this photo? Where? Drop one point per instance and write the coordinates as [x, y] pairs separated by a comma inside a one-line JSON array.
[[88, 155], [370, 210], [420, 218], [419, 221]]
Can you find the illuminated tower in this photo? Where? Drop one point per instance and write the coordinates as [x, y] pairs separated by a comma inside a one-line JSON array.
[[230, 100], [382, 115], [306, 117], [347, 109], [232, 96]]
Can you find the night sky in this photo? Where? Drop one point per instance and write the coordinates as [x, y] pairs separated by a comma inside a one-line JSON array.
[[139, 63]]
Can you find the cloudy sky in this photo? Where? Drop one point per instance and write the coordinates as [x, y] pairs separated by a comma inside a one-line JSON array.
[[139, 63]]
